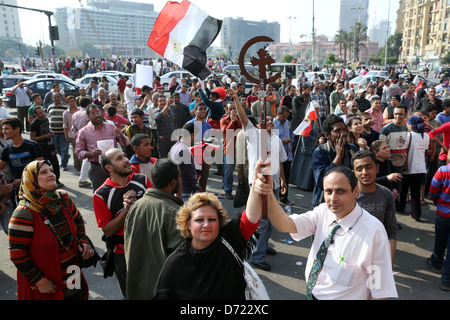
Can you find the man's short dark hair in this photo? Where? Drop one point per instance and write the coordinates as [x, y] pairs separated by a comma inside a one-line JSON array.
[[431, 107], [35, 96], [401, 106], [348, 173], [137, 111], [85, 102], [330, 122], [215, 95], [14, 122], [363, 154], [104, 161], [92, 106], [190, 127], [283, 110], [446, 103], [36, 108], [163, 172], [136, 141]]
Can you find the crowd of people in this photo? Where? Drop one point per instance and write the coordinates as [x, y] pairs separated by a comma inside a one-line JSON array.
[[147, 155]]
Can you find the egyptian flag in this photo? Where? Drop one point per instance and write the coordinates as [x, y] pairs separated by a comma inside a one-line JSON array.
[[305, 127], [419, 86], [182, 34]]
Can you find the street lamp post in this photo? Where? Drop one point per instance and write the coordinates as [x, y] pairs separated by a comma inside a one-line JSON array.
[[313, 40], [354, 32], [387, 34]]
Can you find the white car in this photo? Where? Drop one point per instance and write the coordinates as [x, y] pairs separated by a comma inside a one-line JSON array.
[[165, 79], [58, 76], [323, 76], [84, 82], [363, 81], [378, 73]]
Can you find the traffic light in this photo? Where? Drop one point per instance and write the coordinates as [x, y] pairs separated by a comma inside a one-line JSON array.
[[38, 51]]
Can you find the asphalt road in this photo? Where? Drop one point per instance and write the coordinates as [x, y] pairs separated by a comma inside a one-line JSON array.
[[286, 280]]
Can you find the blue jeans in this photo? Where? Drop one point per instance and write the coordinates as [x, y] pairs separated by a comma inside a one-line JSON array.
[[62, 147], [228, 165], [265, 232], [442, 243]]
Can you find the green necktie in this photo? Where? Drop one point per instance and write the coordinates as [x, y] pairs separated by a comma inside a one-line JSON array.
[[318, 261]]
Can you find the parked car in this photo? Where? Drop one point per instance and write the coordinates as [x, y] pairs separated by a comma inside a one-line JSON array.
[[444, 71], [378, 73], [323, 76], [41, 86], [235, 70], [363, 81], [84, 82], [8, 81], [58, 76], [165, 79], [421, 78]]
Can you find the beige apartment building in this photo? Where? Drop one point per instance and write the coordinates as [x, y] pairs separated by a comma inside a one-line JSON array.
[[425, 31]]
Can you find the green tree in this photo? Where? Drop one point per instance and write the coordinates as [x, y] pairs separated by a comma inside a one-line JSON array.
[[288, 58], [446, 58], [344, 39], [394, 43], [359, 35], [331, 59]]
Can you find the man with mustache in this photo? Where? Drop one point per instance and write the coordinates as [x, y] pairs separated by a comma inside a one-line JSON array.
[[86, 145], [113, 200], [350, 254]]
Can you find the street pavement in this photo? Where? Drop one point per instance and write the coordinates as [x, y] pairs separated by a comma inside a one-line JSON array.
[[286, 280]]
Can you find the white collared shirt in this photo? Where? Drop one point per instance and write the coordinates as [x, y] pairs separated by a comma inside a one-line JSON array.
[[358, 263]]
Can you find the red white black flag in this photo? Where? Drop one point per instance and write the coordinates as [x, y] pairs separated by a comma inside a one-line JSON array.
[[182, 34]]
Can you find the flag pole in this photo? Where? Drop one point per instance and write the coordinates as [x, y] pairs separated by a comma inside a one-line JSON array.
[[262, 61]]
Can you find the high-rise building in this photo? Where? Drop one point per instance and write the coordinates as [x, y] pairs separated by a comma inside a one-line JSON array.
[[353, 11], [236, 32], [379, 32], [116, 27], [9, 22], [426, 32]]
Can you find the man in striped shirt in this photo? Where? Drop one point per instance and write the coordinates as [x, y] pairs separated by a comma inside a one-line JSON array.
[[440, 194], [55, 115]]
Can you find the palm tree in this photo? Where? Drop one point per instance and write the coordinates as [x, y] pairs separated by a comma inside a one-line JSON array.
[[359, 35], [344, 39], [339, 39]]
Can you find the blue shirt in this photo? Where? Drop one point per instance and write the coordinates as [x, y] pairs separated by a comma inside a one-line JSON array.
[[443, 118], [204, 126], [284, 132]]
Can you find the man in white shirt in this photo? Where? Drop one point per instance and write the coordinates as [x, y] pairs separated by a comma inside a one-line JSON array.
[[23, 103], [357, 263], [129, 98], [278, 155]]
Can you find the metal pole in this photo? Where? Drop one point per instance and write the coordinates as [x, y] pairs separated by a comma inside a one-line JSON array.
[[387, 35], [313, 40], [52, 42]]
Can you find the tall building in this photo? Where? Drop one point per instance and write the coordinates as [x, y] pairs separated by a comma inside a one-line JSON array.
[[116, 27], [353, 11], [378, 33], [426, 32], [9, 22], [236, 32]]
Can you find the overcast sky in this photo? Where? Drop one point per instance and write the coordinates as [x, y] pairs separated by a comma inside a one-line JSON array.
[[34, 25]]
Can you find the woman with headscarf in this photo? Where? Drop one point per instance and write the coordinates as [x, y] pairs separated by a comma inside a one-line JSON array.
[[173, 85], [46, 232], [418, 141]]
